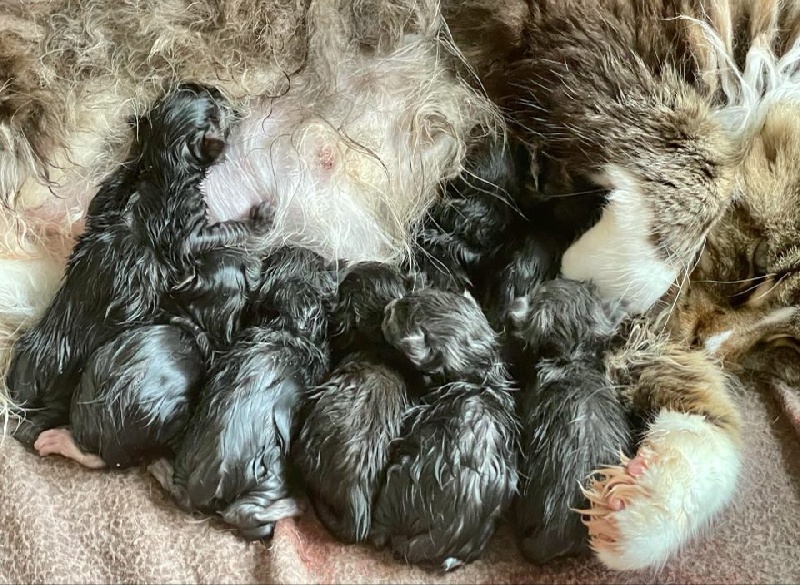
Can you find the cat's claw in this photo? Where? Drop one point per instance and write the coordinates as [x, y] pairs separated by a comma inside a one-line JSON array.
[[644, 510]]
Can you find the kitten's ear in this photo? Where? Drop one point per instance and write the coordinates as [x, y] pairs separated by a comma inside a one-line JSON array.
[[344, 316], [518, 311], [415, 280], [468, 295], [415, 346]]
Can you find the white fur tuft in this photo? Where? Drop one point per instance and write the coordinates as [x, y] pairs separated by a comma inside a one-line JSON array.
[[617, 253], [692, 468], [766, 80], [713, 343], [342, 163]]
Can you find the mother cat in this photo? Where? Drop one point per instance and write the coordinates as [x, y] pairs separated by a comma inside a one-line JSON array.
[[606, 90], [686, 113]]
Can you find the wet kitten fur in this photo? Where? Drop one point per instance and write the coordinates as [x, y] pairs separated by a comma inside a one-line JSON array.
[[145, 226], [493, 216], [453, 474], [232, 461], [352, 418], [135, 395], [711, 68], [573, 419]]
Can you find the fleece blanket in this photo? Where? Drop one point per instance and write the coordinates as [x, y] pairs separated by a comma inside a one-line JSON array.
[[63, 524]]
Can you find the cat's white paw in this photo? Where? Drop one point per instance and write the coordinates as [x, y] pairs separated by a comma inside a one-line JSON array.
[[645, 510], [618, 254]]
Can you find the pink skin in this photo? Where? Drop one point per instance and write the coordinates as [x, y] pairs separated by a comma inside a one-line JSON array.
[[60, 442], [635, 468]]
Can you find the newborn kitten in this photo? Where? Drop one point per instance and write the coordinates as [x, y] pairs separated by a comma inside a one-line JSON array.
[[573, 421], [143, 230], [352, 418], [133, 399], [453, 474], [466, 226], [232, 459]]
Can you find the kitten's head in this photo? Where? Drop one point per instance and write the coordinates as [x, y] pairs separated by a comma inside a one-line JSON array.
[[558, 315], [745, 289], [441, 332], [188, 126], [364, 292]]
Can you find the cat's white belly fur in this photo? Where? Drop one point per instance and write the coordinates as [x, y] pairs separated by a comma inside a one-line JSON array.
[[345, 169]]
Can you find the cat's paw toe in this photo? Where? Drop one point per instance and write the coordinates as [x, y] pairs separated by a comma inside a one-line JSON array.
[[644, 510]]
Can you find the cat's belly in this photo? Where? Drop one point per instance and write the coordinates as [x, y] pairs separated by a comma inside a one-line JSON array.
[[325, 193], [350, 166]]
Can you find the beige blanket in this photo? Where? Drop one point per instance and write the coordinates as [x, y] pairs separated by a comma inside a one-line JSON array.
[[62, 524]]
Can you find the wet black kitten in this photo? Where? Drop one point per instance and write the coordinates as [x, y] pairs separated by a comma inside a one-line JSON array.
[[143, 230], [465, 228], [351, 419], [572, 419], [232, 460], [135, 395], [453, 474], [494, 234]]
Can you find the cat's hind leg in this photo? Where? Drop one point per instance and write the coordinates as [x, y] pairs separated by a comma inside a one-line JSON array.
[[685, 470], [61, 442]]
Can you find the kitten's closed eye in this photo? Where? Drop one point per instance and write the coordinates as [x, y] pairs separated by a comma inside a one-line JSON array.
[[758, 271]]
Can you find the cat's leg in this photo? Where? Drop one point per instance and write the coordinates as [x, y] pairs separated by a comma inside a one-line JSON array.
[[646, 136], [686, 468], [61, 442]]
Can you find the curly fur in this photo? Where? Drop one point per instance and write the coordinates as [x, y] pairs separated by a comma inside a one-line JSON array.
[[463, 231], [658, 104], [688, 123]]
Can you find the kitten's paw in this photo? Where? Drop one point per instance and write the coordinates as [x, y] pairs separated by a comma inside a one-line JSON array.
[[162, 472], [644, 510], [262, 216], [60, 442]]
